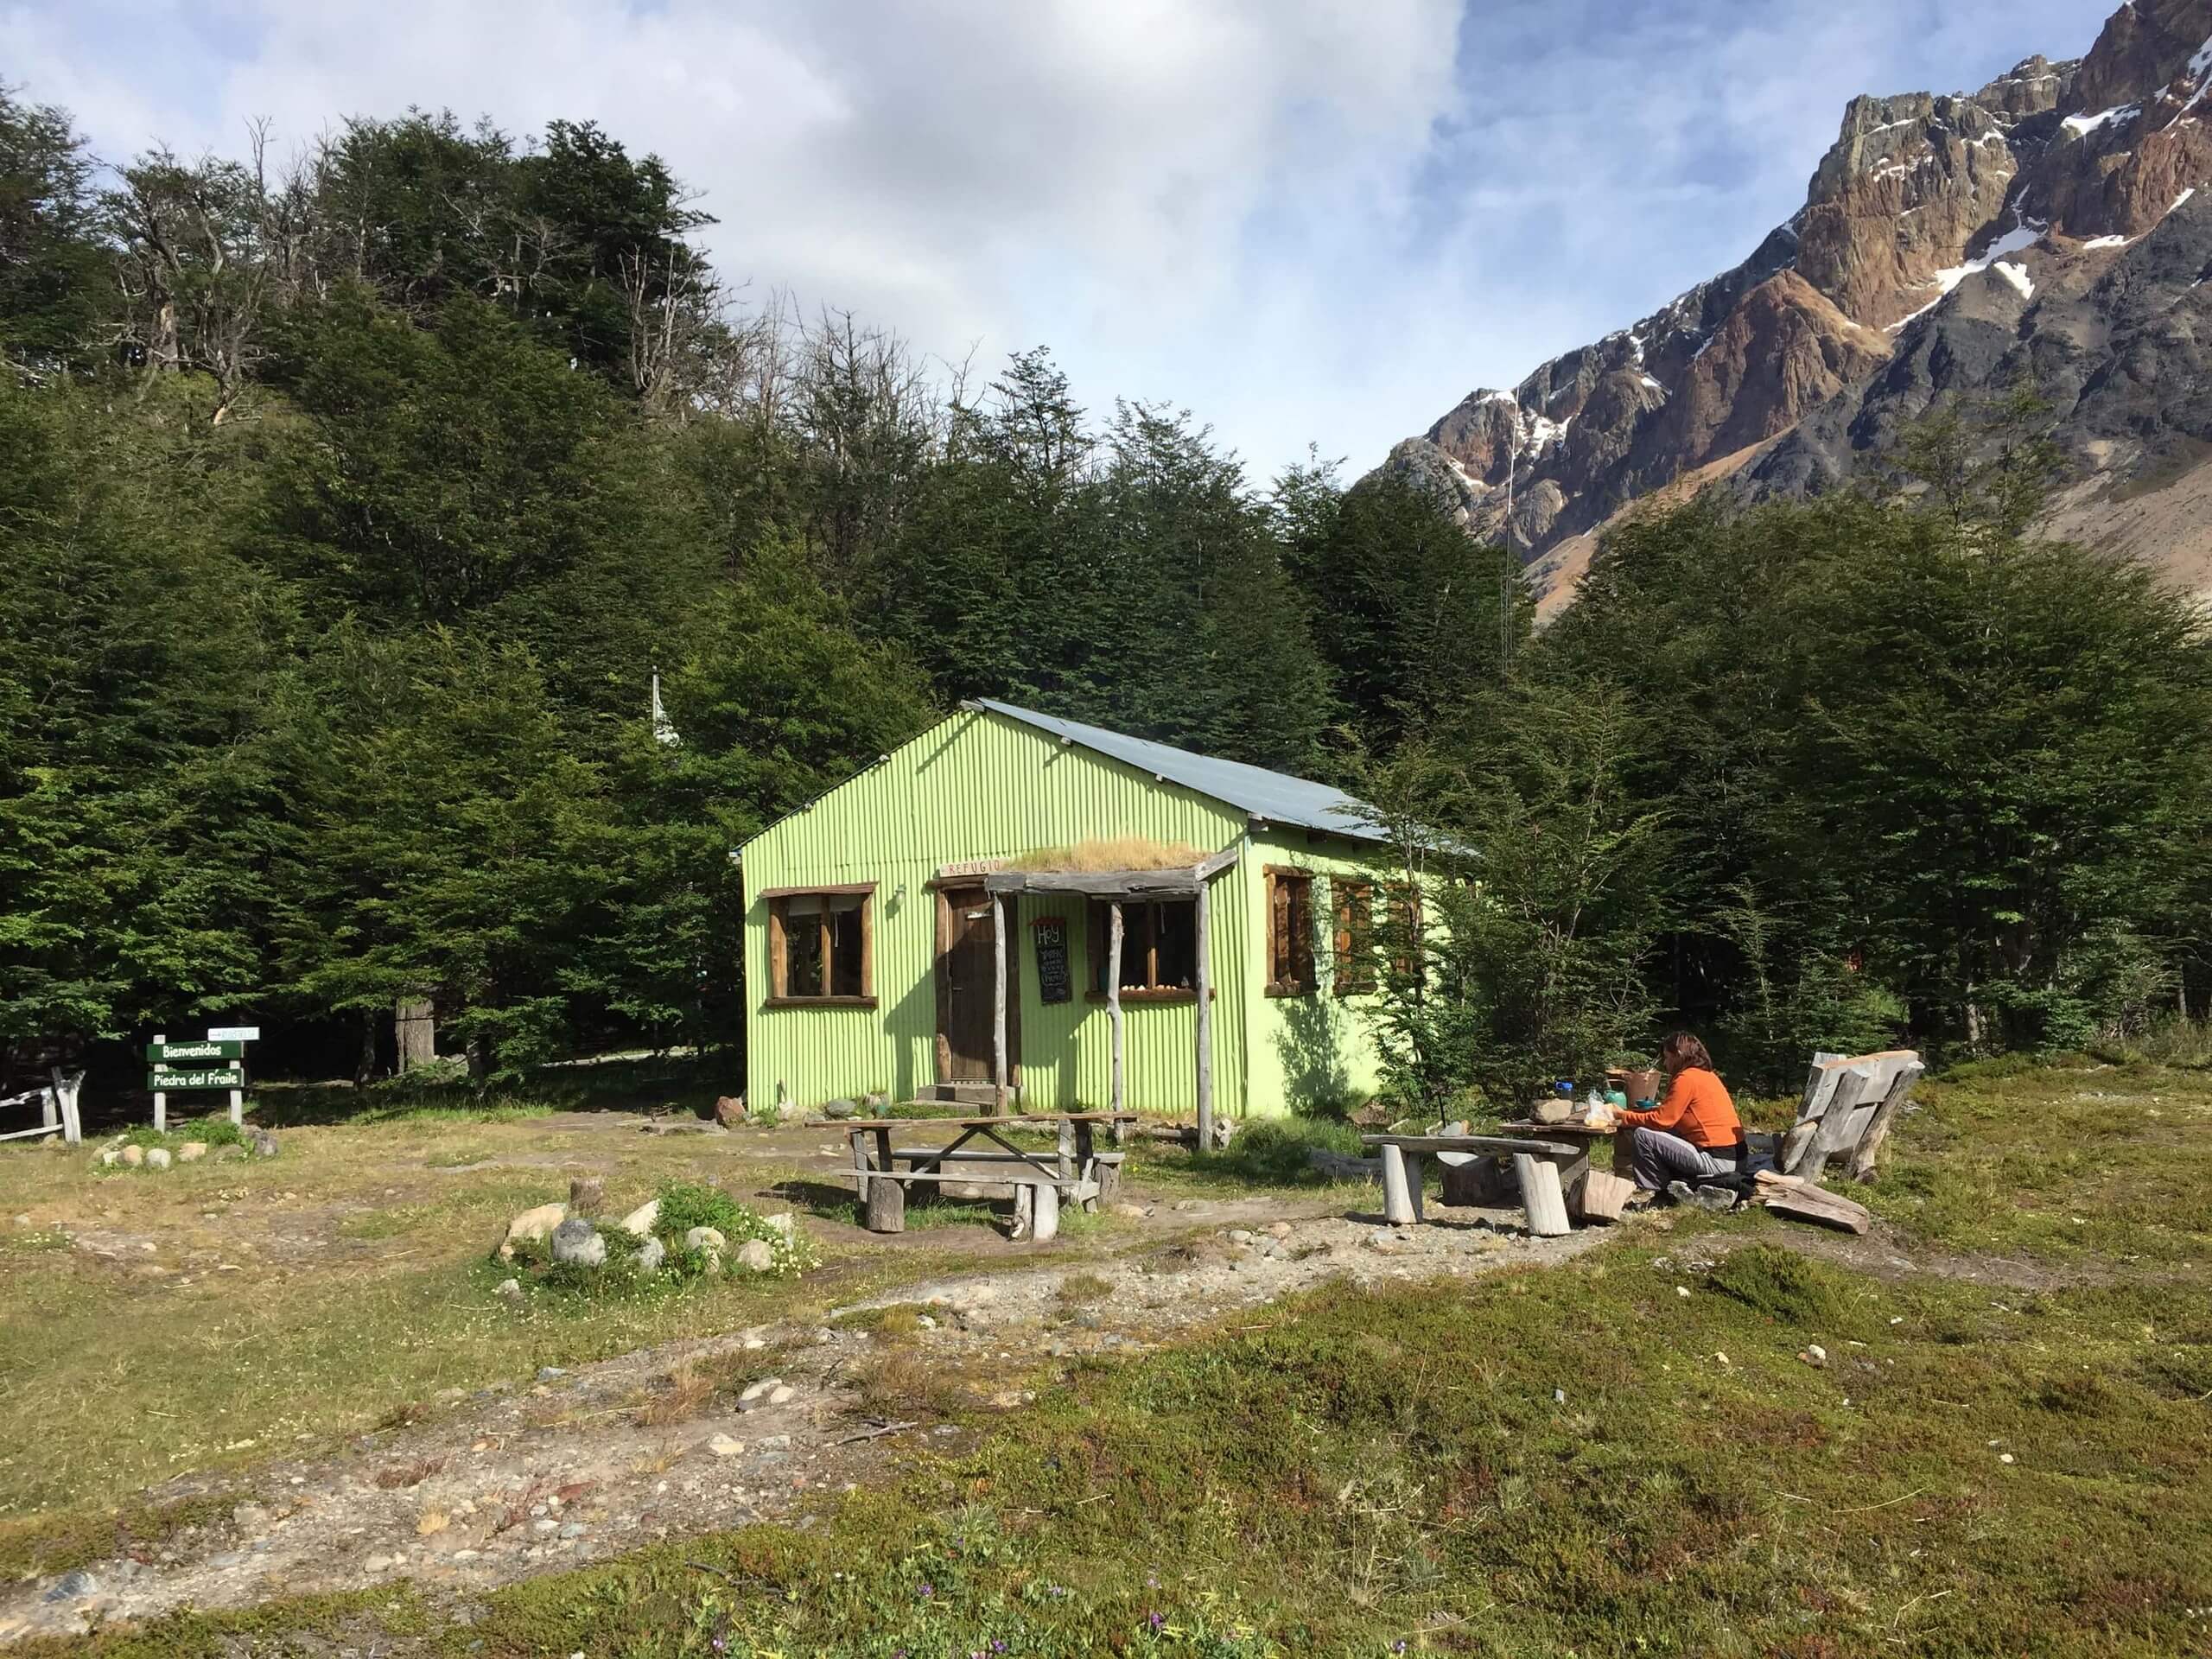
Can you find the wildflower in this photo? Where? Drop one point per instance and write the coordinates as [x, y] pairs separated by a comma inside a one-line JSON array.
[[926, 1591], [1154, 1620], [997, 1646], [1398, 1646]]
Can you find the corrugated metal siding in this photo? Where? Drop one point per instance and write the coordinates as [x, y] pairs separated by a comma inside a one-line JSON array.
[[984, 786], [1316, 1049]]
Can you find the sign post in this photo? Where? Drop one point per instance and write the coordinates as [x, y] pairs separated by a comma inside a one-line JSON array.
[[241, 1035], [219, 1062]]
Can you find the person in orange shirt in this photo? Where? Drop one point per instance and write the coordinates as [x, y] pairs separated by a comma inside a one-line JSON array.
[[1695, 1132]]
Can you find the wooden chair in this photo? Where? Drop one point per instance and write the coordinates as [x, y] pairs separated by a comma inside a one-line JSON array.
[[1845, 1112]]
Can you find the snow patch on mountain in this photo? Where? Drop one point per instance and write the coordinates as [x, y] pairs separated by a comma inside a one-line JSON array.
[[2081, 125]]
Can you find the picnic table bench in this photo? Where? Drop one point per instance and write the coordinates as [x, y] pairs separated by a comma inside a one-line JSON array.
[[1075, 1170], [1401, 1171]]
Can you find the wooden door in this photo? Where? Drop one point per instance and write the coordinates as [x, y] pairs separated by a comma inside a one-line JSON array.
[[966, 987]]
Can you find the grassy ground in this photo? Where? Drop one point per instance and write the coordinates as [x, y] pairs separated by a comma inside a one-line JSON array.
[[217, 1314], [1586, 1460]]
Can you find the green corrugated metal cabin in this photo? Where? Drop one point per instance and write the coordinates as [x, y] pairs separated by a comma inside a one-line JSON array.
[[871, 954]]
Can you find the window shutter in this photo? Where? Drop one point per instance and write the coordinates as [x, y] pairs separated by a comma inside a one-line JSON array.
[[1278, 930]]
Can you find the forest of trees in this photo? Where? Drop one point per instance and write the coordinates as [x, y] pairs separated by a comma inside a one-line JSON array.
[[349, 504]]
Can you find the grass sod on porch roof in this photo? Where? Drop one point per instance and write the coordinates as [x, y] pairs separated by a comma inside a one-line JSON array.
[[1103, 856]]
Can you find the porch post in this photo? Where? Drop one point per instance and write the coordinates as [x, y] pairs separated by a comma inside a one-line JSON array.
[[1113, 995], [1206, 1029], [998, 1000]]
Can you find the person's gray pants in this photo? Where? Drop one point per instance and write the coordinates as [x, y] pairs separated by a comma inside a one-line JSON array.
[[1659, 1157]]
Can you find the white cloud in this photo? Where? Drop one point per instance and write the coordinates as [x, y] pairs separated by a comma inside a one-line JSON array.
[[1304, 219]]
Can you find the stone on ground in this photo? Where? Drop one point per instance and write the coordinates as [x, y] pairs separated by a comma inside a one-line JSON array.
[[510, 1289], [192, 1151], [755, 1255], [157, 1157], [648, 1256], [729, 1111], [723, 1446], [642, 1220], [264, 1144], [577, 1242], [134, 1155], [532, 1225]]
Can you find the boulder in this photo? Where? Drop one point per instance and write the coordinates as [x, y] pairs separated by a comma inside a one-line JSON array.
[[755, 1255], [586, 1194], [192, 1151], [643, 1219], [783, 1221], [708, 1243], [264, 1144], [511, 1289], [576, 1241], [729, 1111], [841, 1108], [110, 1157], [134, 1155], [532, 1225], [157, 1157], [649, 1255]]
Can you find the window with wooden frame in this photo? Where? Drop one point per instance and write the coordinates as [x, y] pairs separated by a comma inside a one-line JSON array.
[[1290, 932], [1160, 949], [1355, 973], [822, 946]]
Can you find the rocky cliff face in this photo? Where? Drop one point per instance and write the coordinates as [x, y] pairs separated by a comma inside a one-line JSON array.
[[2046, 223]]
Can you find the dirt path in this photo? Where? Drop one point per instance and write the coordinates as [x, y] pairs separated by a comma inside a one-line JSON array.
[[496, 1485]]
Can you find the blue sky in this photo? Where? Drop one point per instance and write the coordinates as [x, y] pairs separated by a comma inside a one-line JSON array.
[[1308, 222]]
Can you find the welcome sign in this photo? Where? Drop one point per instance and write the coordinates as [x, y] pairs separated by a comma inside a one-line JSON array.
[[174, 1053]]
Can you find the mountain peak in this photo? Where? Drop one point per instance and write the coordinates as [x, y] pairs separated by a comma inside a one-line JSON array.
[[2036, 182]]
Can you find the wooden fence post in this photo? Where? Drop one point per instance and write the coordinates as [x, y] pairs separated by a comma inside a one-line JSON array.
[[998, 998], [1113, 995], [1206, 1029]]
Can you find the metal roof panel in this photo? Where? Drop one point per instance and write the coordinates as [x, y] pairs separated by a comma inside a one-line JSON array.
[[1273, 796]]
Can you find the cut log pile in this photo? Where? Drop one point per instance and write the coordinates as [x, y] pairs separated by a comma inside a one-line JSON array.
[[1605, 1195], [1798, 1198]]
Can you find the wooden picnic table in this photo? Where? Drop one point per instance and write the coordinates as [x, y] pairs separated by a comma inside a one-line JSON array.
[[1585, 1134], [1402, 1155], [1075, 1168]]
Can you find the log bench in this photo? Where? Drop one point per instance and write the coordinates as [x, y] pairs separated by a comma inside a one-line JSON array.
[[1401, 1171]]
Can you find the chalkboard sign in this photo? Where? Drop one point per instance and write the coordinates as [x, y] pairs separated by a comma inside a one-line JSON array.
[[1051, 937]]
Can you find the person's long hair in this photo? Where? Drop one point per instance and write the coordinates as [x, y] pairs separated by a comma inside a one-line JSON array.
[[1681, 1051]]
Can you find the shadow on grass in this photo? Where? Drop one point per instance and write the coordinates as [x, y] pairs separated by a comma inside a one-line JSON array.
[[666, 1086], [925, 1206], [1275, 1152]]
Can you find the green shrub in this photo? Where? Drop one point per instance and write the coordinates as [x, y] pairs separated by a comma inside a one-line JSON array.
[[1784, 1286], [214, 1131], [683, 1205]]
